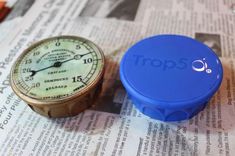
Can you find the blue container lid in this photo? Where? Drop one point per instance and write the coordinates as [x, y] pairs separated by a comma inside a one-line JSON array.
[[170, 77]]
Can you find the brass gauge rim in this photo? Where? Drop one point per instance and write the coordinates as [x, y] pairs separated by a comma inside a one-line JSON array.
[[49, 102]]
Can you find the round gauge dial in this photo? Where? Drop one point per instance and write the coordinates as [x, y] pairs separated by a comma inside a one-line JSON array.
[[57, 68]]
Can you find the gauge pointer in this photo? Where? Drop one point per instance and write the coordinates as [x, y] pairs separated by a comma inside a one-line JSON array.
[[78, 56], [58, 63]]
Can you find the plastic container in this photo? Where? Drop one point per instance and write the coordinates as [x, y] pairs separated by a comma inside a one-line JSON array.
[[170, 77]]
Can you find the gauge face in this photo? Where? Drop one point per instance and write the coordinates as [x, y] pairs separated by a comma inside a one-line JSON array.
[[58, 68]]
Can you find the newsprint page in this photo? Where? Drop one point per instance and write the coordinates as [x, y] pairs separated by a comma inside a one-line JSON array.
[[113, 126]]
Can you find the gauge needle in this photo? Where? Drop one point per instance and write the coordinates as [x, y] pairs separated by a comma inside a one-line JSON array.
[[78, 56], [58, 63]]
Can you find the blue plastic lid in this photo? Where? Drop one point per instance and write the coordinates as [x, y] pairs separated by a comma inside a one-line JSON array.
[[170, 77]]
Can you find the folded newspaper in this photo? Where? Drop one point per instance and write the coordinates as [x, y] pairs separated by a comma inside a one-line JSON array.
[[113, 126]]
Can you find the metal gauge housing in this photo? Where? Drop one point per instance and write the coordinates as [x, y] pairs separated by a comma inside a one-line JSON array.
[[59, 76], [170, 77]]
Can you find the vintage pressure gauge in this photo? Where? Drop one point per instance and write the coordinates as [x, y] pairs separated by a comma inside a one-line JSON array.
[[59, 76]]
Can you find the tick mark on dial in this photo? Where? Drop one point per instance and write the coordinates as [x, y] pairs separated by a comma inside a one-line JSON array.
[[83, 82]]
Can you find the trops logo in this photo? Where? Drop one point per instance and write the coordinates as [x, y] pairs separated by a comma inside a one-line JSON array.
[[198, 65]]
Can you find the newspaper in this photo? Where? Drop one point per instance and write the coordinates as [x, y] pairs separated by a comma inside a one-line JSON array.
[[118, 9], [113, 126], [18, 8], [7, 27], [209, 22]]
